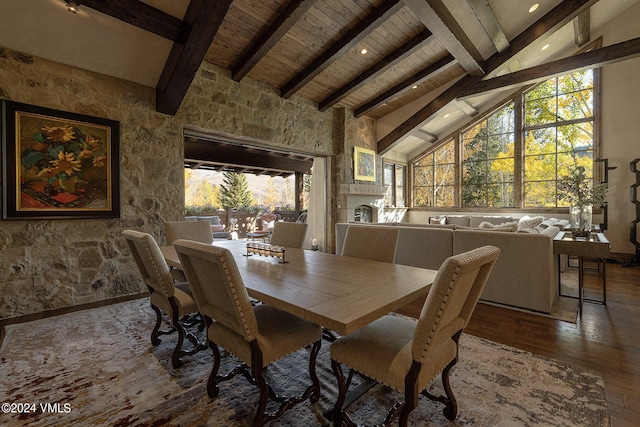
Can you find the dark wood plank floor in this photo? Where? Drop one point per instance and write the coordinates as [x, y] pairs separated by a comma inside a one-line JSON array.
[[605, 338]]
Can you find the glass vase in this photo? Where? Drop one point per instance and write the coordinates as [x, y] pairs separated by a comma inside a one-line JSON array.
[[581, 217]]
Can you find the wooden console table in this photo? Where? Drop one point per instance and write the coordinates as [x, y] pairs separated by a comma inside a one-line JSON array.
[[595, 246]]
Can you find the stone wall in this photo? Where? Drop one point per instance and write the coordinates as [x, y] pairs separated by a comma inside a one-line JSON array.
[[50, 264]]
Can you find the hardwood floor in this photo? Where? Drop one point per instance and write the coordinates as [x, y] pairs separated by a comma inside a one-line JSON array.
[[605, 338]]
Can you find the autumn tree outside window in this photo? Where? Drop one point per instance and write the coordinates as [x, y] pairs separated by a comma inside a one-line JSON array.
[[504, 165]]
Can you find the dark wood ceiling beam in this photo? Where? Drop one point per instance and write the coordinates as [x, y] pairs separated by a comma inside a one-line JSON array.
[[283, 23], [204, 19], [406, 84], [406, 50], [361, 30], [489, 22], [592, 59], [437, 18], [139, 14], [553, 20], [238, 155], [582, 28]]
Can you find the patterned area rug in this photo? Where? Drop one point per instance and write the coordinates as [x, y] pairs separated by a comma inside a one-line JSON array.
[[97, 367]]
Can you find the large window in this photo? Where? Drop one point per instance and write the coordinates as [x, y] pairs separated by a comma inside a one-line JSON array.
[[505, 164], [488, 161], [558, 134], [394, 180], [434, 177]]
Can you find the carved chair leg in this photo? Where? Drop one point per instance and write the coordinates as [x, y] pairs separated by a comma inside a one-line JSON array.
[[451, 410], [177, 352], [410, 393], [339, 416], [212, 383], [257, 373], [154, 333], [315, 391]]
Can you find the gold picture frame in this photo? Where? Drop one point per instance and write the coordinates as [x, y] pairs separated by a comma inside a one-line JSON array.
[[364, 164], [58, 165]]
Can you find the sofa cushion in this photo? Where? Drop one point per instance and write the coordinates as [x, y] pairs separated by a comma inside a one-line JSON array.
[[458, 220], [425, 247]]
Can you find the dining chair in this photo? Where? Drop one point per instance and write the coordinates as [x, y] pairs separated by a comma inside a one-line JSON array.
[[257, 335], [373, 243], [200, 231], [405, 354], [289, 234], [164, 296]]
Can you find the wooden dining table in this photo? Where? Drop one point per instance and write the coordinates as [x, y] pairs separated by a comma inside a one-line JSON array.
[[340, 293]]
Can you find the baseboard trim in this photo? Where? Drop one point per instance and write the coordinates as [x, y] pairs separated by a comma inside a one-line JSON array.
[[64, 310]]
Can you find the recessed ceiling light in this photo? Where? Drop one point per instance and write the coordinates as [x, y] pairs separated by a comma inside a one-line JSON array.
[[533, 7], [446, 115], [545, 46], [363, 51], [415, 87]]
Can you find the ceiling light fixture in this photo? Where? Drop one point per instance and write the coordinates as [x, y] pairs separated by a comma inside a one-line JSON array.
[[533, 7], [72, 7], [545, 46], [363, 51], [415, 87], [446, 115]]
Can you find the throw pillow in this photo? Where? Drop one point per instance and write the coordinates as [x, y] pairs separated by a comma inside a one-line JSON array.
[[438, 220], [528, 222], [505, 226]]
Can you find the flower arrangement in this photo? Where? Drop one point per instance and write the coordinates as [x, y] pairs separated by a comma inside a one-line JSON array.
[[64, 159], [579, 191]]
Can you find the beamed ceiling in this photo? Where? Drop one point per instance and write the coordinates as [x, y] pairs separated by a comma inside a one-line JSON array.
[[423, 56]]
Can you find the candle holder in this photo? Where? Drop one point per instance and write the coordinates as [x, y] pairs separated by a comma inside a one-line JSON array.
[[265, 249]]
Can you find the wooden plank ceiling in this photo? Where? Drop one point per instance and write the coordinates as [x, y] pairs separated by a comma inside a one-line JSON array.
[[312, 49]]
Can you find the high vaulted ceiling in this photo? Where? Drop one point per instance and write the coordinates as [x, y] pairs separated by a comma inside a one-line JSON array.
[[423, 56]]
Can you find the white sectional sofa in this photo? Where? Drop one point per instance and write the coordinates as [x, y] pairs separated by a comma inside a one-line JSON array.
[[525, 274]]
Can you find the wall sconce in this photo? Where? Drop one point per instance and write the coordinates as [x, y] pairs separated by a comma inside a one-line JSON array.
[[72, 6]]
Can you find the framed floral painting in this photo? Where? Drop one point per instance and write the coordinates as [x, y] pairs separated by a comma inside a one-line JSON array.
[[364, 164], [58, 164]]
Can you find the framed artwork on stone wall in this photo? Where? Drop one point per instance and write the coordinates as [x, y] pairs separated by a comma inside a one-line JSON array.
[[364, 164], [58, 164]]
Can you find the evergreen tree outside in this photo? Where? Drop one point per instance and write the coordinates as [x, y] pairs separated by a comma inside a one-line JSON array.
[[234, 191]]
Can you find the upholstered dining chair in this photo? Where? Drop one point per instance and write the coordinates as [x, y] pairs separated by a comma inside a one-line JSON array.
[[257, 335], [373, 243], [406, 355], [200, 231], [165, 297], [289, 234]]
